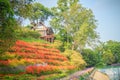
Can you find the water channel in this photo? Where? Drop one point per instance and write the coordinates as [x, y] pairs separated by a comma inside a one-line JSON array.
[[112, 72]]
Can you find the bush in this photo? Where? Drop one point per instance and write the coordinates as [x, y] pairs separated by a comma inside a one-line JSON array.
[[97, 58], [8, 55], [56, 44], [20, 77], [27, 33], [75, 58], [91, 57], [114, 47], [108, 57]]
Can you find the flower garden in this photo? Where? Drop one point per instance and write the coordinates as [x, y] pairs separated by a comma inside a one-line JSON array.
[[34, 59]]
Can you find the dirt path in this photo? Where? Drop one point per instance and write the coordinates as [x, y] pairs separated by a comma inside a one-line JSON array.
[[75, 76]]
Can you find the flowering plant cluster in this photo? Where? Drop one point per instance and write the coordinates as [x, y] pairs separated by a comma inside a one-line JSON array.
[[4, 62], [45, 69], [27, 50], [38, 59]]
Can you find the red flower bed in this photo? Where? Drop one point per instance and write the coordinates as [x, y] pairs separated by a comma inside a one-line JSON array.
[[48, 68], [27, 50], [30, 54], [4, 62]]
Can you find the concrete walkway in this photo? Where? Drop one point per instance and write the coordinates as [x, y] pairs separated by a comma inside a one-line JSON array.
[[97, 75], [75, 76]]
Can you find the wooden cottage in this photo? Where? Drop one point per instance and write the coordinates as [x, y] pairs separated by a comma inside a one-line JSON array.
[[46, 32]]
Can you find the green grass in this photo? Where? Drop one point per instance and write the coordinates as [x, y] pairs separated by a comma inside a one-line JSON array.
[[107, 67], [57, 76], [33, 40], [20, 77]]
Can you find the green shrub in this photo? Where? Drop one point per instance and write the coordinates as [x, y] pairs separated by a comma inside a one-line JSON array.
[[108, 57], [91, 57], [8, 55], [75, 58], [20, 77], [11, 70], [33, 40], [27, 33]]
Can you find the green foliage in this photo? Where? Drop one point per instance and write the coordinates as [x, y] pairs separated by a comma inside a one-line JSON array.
[[74, 24], [96, 58], [57, 44], [33, 40], [75, 58], [20, 77], [38, 12], [8, 9], [114, 48], [109, 51], [21, 7], [28, 26], [27, 33], [7, 56], [108, 57], [84, 76], [90, 57], [7, 26], [63, 37], [104, 54]]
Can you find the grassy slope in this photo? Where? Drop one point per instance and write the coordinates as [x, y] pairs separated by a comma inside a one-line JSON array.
[[38, 53], [33, 40]]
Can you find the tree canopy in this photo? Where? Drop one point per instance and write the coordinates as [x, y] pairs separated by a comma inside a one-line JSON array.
[[38, 12], [7, 26], [106, 53], [75, 23], [9, 9], [114, 48], [21, 9]]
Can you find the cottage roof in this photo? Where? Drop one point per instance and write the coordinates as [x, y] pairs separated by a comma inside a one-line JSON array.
[[41, 28]]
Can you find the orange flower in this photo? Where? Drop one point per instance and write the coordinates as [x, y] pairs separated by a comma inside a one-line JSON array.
[[4, 62]]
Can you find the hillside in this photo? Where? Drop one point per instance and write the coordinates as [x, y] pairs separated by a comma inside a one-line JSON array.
[[33, 58]]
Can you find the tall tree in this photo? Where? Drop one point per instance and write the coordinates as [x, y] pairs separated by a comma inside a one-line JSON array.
[[77, 22], [21, 8], [114, 47], [7, 26], [39, 13], [9, 9]]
